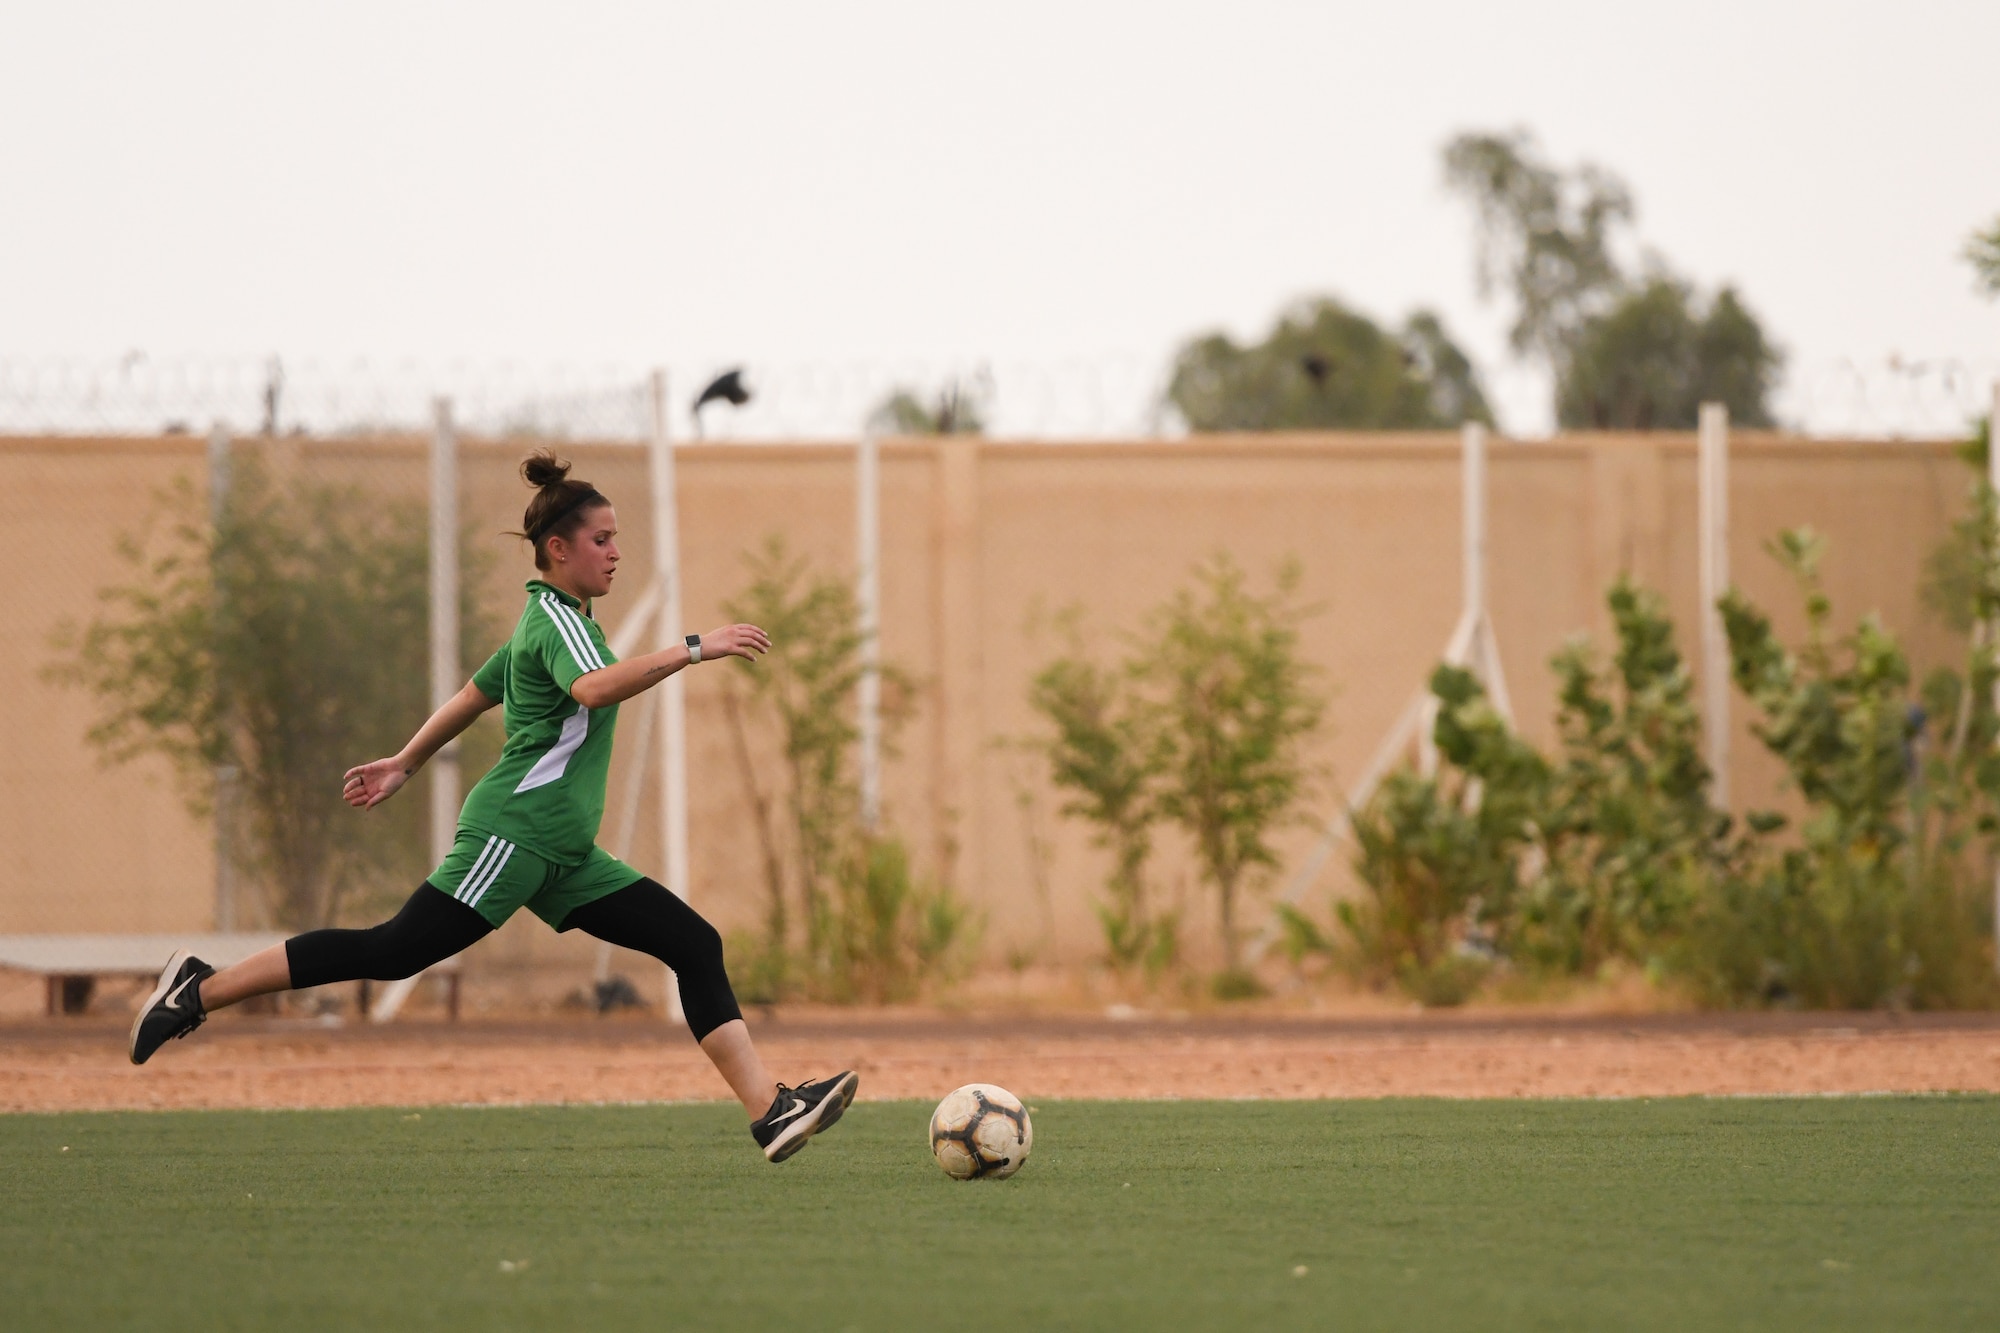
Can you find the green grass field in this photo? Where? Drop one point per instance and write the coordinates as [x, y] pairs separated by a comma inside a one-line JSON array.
[[1871, 1213]]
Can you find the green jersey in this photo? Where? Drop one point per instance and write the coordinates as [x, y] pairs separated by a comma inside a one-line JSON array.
[[547, 791]]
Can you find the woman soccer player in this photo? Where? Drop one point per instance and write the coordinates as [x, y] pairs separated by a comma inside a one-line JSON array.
[[527, 834]]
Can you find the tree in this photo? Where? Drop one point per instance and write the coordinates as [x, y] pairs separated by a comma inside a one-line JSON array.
[[1107, 754], [1238, 704], [1204, 724], [1982, 251], [1959, 565], [871, 928], [956, 409], [1455, 393], [1656, 356], [289, 642], [1626, 354], [1548, 232], [805, 685], [1325, 366]]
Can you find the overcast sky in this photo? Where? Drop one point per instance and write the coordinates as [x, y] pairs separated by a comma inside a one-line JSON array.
[[936, 183]]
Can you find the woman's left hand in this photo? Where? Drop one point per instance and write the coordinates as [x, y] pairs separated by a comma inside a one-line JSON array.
[[744, 641]]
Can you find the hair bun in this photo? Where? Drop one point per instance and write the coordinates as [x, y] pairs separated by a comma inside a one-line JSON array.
[[543, 468]]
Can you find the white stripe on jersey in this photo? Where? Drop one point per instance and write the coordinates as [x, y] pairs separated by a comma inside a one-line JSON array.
[[551, 765], [492, 874], [582, 629], [579, 651], [473, 874]]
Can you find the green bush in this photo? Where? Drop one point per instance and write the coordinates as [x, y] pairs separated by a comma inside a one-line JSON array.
[[1440, 855], [1203, 725], [1612, 853], [845, 916], [1882, 899], [1107, 754], [1627, 836], [1237, 703]]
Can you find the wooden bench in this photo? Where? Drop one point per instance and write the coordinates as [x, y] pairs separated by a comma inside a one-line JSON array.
[[72, 965]]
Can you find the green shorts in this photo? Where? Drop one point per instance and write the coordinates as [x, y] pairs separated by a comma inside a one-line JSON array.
[[496, 878]]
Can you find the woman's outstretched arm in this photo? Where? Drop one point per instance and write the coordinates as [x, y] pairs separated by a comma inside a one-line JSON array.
[[371, 784], [621, 680]]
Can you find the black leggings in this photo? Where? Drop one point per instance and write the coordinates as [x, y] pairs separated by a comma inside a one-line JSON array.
[[432, 926]]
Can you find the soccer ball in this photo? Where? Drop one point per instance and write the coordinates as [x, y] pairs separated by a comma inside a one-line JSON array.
[[981, 1132]]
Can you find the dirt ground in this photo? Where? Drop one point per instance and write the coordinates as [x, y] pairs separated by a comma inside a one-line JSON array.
[[248, 1061]]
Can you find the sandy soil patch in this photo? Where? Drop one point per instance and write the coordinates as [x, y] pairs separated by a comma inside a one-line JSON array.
[[257, 1062]]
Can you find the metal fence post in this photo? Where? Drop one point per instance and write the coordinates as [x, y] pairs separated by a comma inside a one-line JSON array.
[[1712, 505], [225, 774], [1993, 480], [445, 666], [673, 700], [867, 617]]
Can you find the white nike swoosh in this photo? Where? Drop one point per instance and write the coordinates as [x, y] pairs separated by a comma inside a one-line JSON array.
[[174, 994], [798, 1108]]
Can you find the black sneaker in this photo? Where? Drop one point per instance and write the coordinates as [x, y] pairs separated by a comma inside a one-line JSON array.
[[174, 1008], [800, 1113]]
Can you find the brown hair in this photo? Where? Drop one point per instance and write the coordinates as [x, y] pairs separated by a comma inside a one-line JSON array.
[[560, 503]]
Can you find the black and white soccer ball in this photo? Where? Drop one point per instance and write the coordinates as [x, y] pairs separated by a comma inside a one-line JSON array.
[[981, 1132]]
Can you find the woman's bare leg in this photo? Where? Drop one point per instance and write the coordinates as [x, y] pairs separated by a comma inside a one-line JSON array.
[[261, 973], [736, 1059]]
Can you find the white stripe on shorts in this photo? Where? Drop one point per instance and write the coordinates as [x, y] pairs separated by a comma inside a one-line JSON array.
[[507, 850], [473, 874]]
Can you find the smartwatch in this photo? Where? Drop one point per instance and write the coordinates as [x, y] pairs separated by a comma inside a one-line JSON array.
[[694, 648]]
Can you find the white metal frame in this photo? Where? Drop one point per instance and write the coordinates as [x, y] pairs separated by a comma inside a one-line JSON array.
[[673, 697], [868, 614], [1712, 520], [1472, 645], [657, 614], [447, 676], [672, 705], [226, 775], [1993, 480]]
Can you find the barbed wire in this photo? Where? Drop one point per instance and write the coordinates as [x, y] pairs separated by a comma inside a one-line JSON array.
[[1106, 397], [1893, 397]]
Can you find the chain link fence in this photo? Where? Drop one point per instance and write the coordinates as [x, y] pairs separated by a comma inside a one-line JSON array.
[[1112, 397], [140, 395]]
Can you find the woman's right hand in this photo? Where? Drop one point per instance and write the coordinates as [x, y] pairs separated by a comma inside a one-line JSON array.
[[371, 784]]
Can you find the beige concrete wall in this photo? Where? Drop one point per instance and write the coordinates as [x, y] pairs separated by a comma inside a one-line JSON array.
[[983, 544]]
